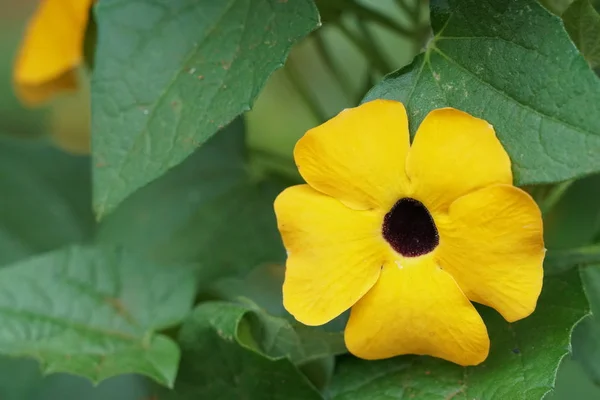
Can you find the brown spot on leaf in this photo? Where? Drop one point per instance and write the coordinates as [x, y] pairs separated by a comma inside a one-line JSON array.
[[454, 394], [119, 308], [190, 141]]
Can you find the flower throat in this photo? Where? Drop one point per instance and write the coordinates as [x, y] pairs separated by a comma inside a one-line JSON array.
[[410, 229]]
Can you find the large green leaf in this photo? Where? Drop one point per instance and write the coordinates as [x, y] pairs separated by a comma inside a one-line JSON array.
[[583, 24], [94, 312], [45, 198], [213, 210], [522, 363], [512, 63], [170, 73], [232, 351]]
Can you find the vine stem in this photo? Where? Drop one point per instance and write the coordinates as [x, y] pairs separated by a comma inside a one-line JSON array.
[[367, 49], [413, 11], [379, 18], [301, 88], [560, 260], [338, 73], [554, 196]]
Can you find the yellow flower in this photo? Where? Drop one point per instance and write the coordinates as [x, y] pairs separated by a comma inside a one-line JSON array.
[[52, 50], [408, 235]]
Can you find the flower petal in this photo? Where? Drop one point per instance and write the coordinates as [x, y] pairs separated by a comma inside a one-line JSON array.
[[334, 253], [454, 153], [417, 309], [492, 244], [52, 49], [358, 157]]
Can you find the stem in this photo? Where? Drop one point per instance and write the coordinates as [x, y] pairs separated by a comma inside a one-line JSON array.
[[554, 196], [374, 46], [367, 49], [365, 87], [414, 12], [307, 96], [275, 164], [381, 19], [337, 73], [558, 261]]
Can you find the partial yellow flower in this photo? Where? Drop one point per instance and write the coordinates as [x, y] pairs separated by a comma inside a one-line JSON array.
[[408, 235], [52, 50]]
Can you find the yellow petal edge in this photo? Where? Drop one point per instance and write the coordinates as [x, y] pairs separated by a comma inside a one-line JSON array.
[[51, 50]]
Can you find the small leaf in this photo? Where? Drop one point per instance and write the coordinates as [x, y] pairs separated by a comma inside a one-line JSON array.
[[522, 363], [263, 286], [511, 63], [171, 73], [582, 21], [277, 338], [94, 312], [221, 359]]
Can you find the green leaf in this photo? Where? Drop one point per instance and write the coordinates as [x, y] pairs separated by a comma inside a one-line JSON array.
[[263, 286], [512, 64], [586, 347], [94, 312], [568, 230], [586, 337], [223, 359], [572, 383], [69, 387], [212, 210], [582, 21], [171, 73], [522, 364], [44, 201], [278, 338], [21, 379]]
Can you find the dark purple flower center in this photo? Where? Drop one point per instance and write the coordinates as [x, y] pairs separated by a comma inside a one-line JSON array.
[[410, 229]]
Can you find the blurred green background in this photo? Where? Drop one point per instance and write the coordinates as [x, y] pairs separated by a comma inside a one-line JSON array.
[[45, 190]]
